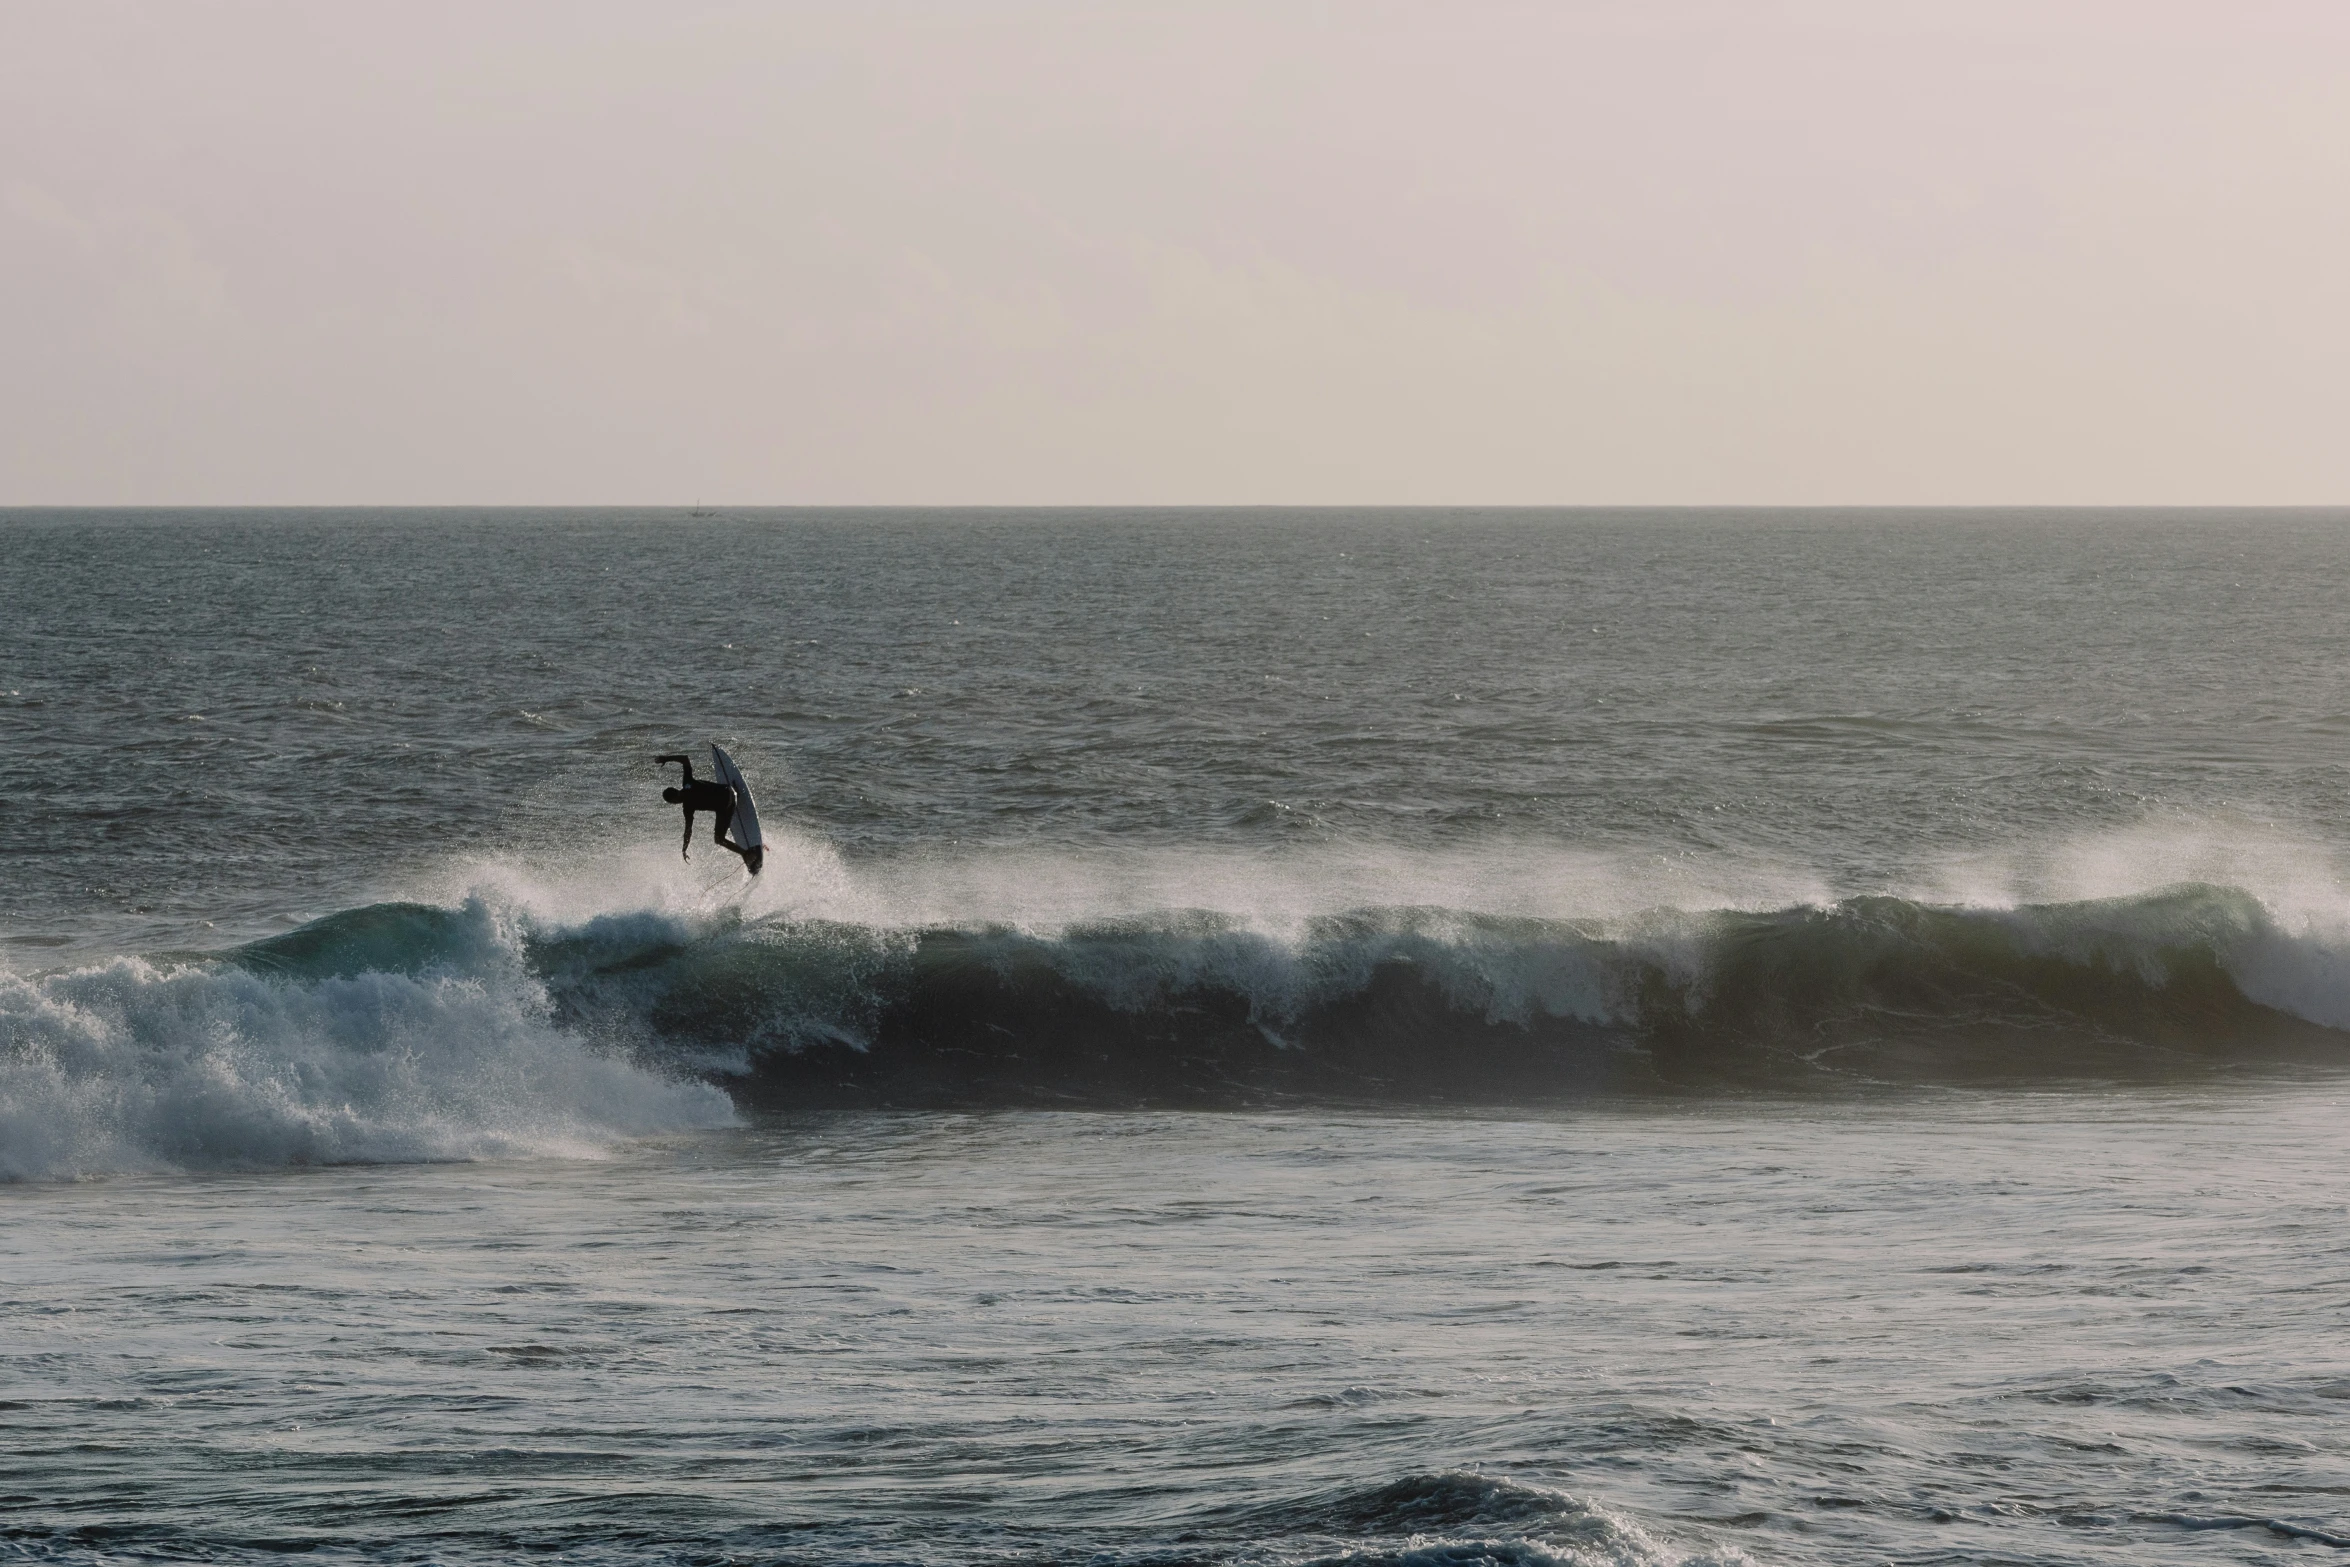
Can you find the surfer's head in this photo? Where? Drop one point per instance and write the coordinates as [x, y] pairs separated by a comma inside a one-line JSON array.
[[674, 796]]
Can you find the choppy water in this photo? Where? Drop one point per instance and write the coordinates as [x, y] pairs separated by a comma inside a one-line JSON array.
[[1263, 1037]]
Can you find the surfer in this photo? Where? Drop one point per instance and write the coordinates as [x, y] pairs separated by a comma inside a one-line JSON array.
[[716, 798]]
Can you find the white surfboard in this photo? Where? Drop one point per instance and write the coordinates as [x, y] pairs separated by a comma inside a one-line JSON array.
[[745, 830]]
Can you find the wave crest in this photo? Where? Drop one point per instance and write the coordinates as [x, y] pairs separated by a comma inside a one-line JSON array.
[[1407, 1004]]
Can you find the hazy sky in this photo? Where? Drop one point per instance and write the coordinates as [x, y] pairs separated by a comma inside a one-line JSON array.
[[1093, 251]]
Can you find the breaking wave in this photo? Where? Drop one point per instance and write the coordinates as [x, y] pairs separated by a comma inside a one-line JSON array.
[[504, 1021], [194, 1064], [1436, 1005]]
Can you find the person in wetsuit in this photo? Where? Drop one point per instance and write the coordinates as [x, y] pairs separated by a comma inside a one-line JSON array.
[[699, 794]]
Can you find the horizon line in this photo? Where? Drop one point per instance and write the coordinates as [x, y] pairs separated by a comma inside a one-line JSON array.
[[713, 507]]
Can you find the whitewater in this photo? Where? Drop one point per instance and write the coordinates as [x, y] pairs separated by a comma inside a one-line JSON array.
[[1263, 1037]]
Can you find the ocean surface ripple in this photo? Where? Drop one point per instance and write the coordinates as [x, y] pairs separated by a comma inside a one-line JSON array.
[[1264, 1039]]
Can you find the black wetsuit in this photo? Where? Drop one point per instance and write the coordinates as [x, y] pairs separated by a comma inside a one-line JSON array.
[[702, 795]]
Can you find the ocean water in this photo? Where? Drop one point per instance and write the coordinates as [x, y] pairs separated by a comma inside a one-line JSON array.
[[1263, 1037]]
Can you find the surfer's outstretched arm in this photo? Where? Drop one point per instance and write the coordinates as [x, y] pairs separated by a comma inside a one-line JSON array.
[[685, 850], [685, 762]]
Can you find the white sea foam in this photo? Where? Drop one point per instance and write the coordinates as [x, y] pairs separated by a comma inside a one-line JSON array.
[[133, 1066]]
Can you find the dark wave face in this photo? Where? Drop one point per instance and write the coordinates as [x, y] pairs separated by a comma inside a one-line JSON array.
[[1398, 1005], [499, 1024]]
